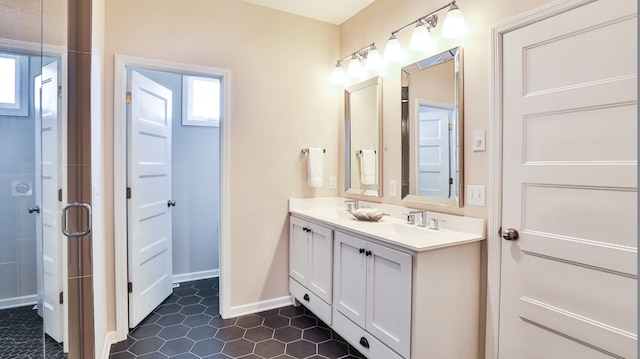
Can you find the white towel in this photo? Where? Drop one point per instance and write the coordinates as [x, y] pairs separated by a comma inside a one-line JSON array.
[[315, 165], [368, 167]]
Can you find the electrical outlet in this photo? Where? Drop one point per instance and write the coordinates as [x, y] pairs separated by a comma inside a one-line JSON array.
[[475, 195], [332, 182], [392, 188]]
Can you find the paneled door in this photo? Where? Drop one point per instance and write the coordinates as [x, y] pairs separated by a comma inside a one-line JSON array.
[[569, 254], [53, 255], [435, 178], [149, 206]]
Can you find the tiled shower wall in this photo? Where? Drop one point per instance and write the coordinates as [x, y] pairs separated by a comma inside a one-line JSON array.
[[80, 296]]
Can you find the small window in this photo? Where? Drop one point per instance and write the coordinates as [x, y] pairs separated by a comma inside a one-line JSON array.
[[200, 101], [14, 99]]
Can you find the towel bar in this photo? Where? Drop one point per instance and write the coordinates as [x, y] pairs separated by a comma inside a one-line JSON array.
[[306, 150], [359, 152]]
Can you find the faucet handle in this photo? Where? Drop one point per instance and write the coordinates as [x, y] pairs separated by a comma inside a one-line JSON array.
[[352, 204], [435, 222], [423, 217], [411, 217]]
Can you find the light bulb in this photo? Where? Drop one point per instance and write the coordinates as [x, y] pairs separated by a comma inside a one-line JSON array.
[[421, 38], [355, 68], [393, 51], [374, 60], [338, 76], [454, 25]]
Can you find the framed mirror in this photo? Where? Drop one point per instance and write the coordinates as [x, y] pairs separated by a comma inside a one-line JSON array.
[[432, 123], [362, 150]]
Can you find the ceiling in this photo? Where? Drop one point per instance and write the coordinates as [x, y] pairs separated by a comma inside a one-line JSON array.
[[331, 11]]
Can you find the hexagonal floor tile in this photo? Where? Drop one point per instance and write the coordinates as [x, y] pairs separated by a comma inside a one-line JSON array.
[[301, 349], [147, 345], [230, 333], [291, 311], [303, 322], [238, 348], [173, 332], [333, 349], [218, 322], [259, 334], [177, 346], [316, 334], [249, 321], [146, 331], [269, 348], [171, 319], [288, 334], [202, 332], [276, 322], [207, 347]]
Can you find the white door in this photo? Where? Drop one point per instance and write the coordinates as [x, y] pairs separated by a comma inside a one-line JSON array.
[[298, 244], [149, 208], [433, 151], [53, 255], [350, 277], [569, 283], [388, 314], [320, 261]]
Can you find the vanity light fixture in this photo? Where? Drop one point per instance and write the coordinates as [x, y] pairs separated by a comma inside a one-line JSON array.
[[421, 38], [368, 55], [453, 27]]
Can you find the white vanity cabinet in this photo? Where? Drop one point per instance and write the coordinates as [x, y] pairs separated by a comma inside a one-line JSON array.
[[372, 289], [311, 266]]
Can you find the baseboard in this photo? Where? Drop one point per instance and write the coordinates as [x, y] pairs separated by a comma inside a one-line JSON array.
[[18, 301], [108, 340], [260, 306], [188, 277]]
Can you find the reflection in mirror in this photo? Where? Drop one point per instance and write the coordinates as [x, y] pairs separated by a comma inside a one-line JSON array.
[[432, 130], [362, 138]]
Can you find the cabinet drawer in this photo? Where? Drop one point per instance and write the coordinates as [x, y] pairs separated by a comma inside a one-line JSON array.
[[316, 305], [354, 334]]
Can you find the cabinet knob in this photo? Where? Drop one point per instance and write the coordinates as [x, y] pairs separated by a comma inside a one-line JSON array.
[[361, 250], [364, 342], [367, 253], [306, 297]]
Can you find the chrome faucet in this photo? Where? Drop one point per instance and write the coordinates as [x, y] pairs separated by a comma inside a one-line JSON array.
[[434, 223], [423, 218], [352, 204]]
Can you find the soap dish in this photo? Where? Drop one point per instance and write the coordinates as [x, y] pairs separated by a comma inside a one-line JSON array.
[[367, 214]]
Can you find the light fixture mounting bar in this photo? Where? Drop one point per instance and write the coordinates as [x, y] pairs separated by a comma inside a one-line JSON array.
[[359, 52], [422, 18]]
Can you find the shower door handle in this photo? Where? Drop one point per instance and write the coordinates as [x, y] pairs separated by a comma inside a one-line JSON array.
[[65, 209], [34, 209]]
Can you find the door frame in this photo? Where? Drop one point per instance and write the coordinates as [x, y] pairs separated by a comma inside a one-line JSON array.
[[120, 178], [494, 241]]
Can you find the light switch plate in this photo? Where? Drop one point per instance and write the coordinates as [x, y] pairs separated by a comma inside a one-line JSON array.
[[479, 139], [392, 188], [332, 182], [475, 195]]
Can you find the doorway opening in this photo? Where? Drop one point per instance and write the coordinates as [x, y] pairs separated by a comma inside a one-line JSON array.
[[195, 179]]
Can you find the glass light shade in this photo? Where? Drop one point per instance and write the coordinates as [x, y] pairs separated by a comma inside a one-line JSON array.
[[454, 25], [420, 39], [374, 60], [338, 76], [355, 68], [393, 50]]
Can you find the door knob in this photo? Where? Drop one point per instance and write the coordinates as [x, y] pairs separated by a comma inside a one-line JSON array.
[[171, 203], [510, 234], [34, 209]]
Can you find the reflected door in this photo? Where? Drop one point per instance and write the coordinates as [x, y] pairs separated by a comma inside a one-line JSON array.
[[52, 240], [434, 176]]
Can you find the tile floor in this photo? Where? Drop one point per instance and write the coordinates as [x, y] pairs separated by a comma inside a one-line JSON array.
[[21, 336], [188, 325]]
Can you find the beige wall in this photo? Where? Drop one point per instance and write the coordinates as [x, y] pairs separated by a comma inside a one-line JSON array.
[[375, 23], [281, 101]]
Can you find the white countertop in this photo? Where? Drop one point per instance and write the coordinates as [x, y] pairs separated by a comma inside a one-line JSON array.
[[392, 228]]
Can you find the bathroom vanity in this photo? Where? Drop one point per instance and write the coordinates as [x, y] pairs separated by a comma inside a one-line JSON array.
[[391, 289]]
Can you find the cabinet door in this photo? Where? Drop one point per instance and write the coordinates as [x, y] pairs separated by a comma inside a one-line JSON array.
[[298, 253], [389, 297], [350, 277], [320, 261]]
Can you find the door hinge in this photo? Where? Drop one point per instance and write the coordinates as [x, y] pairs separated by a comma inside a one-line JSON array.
[[450, 180], [129, 287], [60, 195], [128, 192], [450, 127], [61, 298], [59, 91], [128, 98]]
